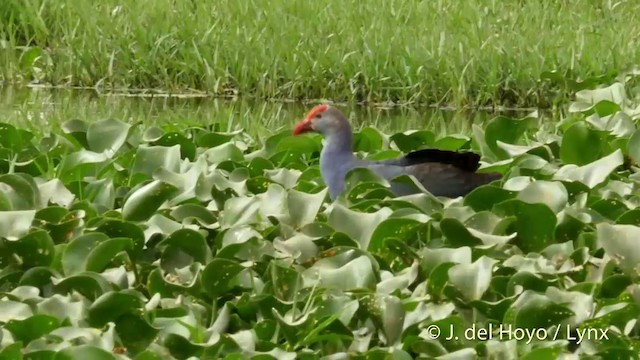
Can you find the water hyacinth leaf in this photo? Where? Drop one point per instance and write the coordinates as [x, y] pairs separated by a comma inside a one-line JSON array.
[[12, 351], [303, 207], [629, 217], [107, 135], [506, 130], [212, 139], [32, 328], [286, 282], [115, 228], [218, 274], [111, 305], [472, 280], [368, 139], [459, 235], [633, 147], [534, 223], [588, 98], [543, 354], [552, 194], [298, 144], [11, 137], [591, 174], [224, 152], [150, 158], [415, 140], [104, 252], [184, 213], [620, 242], [135, 332], [431, 258], [580, 144], [54, 191], [5, 202], [81, 352], [74, 256], [190, 242], [14, 224], [21, 191], [89, 284], [144, 201], [187, 148], [398, 228], [152, 133], [535, 311], [34, 249], [345, 271], [359, 226], [451, 142], [486, 196]]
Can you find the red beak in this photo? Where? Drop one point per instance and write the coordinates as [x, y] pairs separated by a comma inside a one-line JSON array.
[[302, 127]]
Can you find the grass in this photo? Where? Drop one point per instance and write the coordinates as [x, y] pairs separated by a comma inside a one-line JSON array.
[[44, 110], [475, 52]]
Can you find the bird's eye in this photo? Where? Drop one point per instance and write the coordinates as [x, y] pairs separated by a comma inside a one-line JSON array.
[[318, 116]]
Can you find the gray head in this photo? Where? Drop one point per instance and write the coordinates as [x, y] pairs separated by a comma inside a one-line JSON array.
[[325, 120]]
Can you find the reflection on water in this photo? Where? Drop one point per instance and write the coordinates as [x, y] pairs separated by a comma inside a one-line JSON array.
[[46, 109]]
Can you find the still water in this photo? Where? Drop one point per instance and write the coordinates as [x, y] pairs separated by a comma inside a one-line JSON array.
[[39, 109]]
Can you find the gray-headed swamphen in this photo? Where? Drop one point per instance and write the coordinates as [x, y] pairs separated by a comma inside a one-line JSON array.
[[441, 172]]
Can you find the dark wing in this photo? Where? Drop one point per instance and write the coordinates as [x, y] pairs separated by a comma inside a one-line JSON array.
[[442, 172], [466, 161]]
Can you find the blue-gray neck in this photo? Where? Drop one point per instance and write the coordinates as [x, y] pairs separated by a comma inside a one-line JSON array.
[[336, 159]]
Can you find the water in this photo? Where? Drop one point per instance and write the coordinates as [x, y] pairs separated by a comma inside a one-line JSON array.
[[40, 109]]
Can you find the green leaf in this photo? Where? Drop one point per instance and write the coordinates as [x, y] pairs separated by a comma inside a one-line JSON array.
[[552, 194], [535, 311], [506, 130], [150, 158], [14, 224], [21, 191], [591, 174], [224, 152], [304, 207], [34, 249], [144, 201], [187, 148], [399, 228], [89, 284], [104, 252], [415, 140], [117, 228], [368, 139], [12, 351], [358, 225], [32, 328], [108, 134], [472, 280], [298, 144], [190, 242], [186, 212], [136, 333], [345, 271], [83, 352], [217, 276], [110, 306], [633, 147], [459, 235], [486, 196], [534, 223], [580, 144], [620, 242]]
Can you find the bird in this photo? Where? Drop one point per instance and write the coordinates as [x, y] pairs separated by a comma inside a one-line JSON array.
[[443, 173]]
